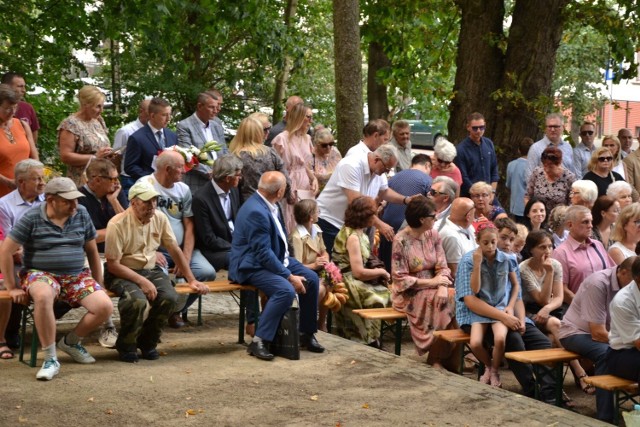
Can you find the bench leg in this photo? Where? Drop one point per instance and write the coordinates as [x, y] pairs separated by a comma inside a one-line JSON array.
[[398, 336], [241, 320], [26, 313], [556, 373], [199, 323]]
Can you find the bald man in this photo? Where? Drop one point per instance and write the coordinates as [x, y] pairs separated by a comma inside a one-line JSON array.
[[260, 257], [457, 234], [279, 127]]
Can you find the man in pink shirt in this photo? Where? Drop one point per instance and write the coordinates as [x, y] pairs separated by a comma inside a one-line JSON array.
[[579, 255]]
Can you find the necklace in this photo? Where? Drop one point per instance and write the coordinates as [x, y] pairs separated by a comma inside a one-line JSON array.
[[9, 135]]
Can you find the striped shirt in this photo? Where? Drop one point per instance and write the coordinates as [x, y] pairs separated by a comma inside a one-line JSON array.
[[48, 247]]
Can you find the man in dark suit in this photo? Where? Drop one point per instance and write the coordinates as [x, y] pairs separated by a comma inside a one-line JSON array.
[[260, 257], [145, 143], [196, 130], [215, 208]]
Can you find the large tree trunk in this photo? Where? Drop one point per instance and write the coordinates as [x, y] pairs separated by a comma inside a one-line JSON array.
[[377, 91], [283, 74], [479, 64], [348, 70]]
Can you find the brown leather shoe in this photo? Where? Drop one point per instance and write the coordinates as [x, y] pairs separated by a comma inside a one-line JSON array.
[[175, 321]]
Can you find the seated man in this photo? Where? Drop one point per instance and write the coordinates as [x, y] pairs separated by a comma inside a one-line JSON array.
[[57, 230], [132, 239], [104, 198], [457, 234], [584, 327], [623, 358], [174, 201], [260, 257]]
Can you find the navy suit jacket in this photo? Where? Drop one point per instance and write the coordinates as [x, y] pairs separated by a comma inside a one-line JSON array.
[[257, 244], [141, 147]]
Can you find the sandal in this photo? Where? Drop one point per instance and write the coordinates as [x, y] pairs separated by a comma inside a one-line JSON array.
[[486, 377], [5, 354], [587, 388], [495, 379]]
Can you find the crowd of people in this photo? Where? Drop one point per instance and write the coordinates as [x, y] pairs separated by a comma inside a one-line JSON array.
[[280, 209]]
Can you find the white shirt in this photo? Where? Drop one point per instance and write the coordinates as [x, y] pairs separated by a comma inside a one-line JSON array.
[[456, 241], [352, 173], [274, 213], [225, 202], [208, 136], [122, 136], [625, 317], [359, 149]]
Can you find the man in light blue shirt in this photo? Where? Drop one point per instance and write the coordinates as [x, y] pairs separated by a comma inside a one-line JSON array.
[[516, 182], [554, 125], [583, 151]]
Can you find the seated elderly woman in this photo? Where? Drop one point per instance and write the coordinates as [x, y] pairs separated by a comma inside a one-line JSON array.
[[482, 195], [422, 281], [367, 286], [626, 234], [601, 170], [584, 193], [621, 191], [550, 182], [443, 154]]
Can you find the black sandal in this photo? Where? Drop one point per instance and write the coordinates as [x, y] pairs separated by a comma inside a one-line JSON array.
[[588, 389], [5, 352]]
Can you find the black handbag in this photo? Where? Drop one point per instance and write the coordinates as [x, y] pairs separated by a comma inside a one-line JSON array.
[[287, 340]]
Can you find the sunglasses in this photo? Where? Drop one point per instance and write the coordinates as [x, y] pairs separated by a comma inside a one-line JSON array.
[[477, 128], [329, 144], [435, 192], [586, 132], [267, 129], [605, 159], [550, 157], [443, 162]]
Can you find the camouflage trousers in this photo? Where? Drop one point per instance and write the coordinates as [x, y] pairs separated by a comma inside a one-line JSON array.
[[135, 330]]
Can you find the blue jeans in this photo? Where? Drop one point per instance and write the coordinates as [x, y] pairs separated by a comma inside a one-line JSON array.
[[329, 233], [596, 352]]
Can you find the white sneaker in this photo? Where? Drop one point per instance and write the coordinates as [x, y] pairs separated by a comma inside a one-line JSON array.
[[77, 352], [108, 337], [50, 369]]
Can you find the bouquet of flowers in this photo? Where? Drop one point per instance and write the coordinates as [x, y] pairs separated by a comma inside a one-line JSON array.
[[194, 155], [337, 293]]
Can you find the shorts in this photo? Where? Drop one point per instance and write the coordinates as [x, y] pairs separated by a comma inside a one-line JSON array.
[[71, 288]]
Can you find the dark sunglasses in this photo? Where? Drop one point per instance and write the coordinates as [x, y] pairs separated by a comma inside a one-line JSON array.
[[477, 128], [329, 144], [267, 129], [605, 159], [434, 192], [550, 157], [443, 162], [586, 132]]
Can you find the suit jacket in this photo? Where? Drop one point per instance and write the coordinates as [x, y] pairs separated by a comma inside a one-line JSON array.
[[142, 146], [257, 244], [213, 235]]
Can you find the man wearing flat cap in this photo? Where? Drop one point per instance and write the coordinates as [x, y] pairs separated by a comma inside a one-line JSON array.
[[132, 239], [55, 236]]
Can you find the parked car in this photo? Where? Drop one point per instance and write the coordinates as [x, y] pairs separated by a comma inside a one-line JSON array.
[[425, 134]]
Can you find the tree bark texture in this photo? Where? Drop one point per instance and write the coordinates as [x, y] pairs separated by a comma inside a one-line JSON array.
[[348, 72], [376, 91], [283, 74]]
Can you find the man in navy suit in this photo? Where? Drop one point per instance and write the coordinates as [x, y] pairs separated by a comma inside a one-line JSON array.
[[146, 143], [260, 257]]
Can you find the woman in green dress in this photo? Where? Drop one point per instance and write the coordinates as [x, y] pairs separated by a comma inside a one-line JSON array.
[[367, 286]]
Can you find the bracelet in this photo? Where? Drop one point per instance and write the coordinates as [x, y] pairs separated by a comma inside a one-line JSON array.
[[404, 201]]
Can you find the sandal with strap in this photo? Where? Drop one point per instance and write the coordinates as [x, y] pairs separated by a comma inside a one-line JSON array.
[[6, 354], [588, 388]]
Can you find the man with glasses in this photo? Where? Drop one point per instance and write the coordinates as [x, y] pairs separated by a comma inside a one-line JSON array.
[[583, 151], [554, 125], [353, 177], [626, 141], [443, 193], [476, 156], [401, 131]]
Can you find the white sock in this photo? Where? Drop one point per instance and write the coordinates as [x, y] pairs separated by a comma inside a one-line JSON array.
[[108, 324], [72, 338], [50, 352]]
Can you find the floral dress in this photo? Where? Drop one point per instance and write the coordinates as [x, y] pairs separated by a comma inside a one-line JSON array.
[[361, 294], [552, 194], [420, 258], [323, 168], [90, 136]]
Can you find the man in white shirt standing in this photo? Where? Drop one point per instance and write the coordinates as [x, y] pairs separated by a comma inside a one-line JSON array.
[[375, 133]]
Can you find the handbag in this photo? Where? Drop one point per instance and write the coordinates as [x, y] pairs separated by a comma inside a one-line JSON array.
[[287, 340], [374, 262]]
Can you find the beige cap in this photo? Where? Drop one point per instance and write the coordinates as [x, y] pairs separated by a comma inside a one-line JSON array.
[[63, 187], [142, 191]]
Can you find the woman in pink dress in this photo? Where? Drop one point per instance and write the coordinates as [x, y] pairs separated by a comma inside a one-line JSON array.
[[294, 146], [443, 154], [422, 285]]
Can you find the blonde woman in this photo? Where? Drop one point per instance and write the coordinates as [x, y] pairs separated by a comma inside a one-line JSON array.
[[83, 135], [601, 170], [264, 119], [613, 144], [626, 234], [295, 148], [257, 158]]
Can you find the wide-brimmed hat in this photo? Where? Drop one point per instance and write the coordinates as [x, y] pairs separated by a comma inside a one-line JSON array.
[[142, 191], [63, 187]]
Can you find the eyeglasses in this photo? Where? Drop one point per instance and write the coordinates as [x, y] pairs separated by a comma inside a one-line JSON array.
[[550, 157], [480, 196], [574, 193], [443, 162], [328, 144], [11, 109], [586, 132], [112, 179], [605, 159], [387, 169], [266, 129], [434, 192], [477, 128], [554, 126]]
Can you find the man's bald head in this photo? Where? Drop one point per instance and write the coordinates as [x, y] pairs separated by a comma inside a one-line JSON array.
[[271, 184], [292, 101], [460, 209]]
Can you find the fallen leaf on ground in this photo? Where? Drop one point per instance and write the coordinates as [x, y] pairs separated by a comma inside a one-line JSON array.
[[314, 397], [18, 407], [353, 362], [188, 398], [163, 353], [91, 399], [22, 419], [189, 412], [174, 345], [109, 411], [365, 406], [151, 378]]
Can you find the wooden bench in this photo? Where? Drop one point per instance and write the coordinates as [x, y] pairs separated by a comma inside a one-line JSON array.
[[388, 316], [458, 336], [221, 285], [624, 390], [545, 362]]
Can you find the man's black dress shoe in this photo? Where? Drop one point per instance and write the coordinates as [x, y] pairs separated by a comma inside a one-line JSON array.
[[311, 343], [258, 349]]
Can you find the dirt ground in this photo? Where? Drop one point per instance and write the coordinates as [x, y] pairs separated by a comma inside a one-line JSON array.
[[205, 378]]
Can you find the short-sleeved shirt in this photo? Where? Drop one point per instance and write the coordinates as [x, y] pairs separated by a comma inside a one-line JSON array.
[[12, 207], [404, 155], [135, 244], [603, 183], [625, 318], [591, 303], [100, 210], [26, 112], [517, 184], [456, 241], [532, 283], [359, 149], [407, 183], [535, 154], [579, 260], [352, 173], [48, 247], [175, 202]]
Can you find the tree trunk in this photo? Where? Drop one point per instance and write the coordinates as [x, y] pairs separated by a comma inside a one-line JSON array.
[[283, 74], [348, 71], [479, 64], [377, 91]]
